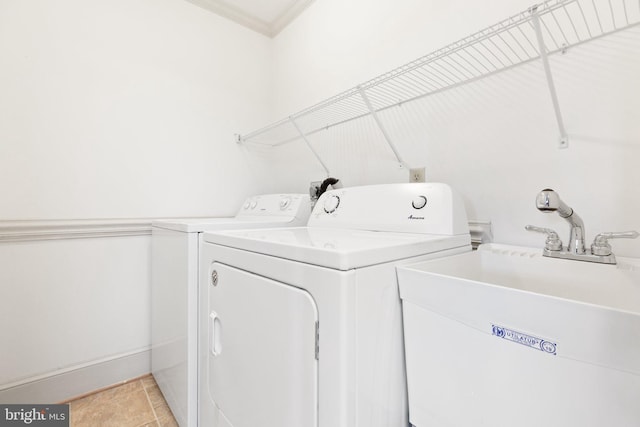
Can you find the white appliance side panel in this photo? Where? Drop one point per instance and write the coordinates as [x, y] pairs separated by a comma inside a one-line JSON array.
[[173, 352], [380, 366], [262, 368], [460, 376]]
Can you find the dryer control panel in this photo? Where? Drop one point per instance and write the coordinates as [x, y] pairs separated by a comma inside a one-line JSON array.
[[430, 208]]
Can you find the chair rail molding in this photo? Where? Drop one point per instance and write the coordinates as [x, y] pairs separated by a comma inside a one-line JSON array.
[[36, 230]]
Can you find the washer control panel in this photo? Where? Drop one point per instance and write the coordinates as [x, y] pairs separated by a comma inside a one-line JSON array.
[[293, 205]]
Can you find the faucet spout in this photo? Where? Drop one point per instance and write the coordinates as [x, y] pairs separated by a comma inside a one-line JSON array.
[[549, 201]]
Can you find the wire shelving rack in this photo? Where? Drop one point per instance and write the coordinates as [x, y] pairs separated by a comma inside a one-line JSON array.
[[542, 30]]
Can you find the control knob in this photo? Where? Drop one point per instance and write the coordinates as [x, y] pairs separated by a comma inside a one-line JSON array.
[[419, 202], [284, 203], [331, 203]]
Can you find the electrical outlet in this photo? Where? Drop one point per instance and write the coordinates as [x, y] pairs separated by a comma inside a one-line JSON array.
[[314, 187], [416, 175]]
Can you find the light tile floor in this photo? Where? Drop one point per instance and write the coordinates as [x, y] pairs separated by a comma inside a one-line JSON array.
[[137, 403]]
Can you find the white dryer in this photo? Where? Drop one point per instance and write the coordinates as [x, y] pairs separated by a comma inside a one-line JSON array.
[[302, 326], [174, 291]]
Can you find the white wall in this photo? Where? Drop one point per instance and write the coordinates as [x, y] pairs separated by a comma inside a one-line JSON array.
[[109, 109], [336, 45], [125, 108], [69, 304], [494, 140]]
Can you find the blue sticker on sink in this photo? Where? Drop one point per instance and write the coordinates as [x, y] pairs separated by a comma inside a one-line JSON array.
[[541, 344]]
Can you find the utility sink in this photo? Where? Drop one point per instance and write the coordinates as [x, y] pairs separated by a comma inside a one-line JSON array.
[[506, 337], [525, 269]]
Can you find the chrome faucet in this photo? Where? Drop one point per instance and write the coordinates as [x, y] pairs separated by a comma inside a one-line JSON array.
[[549, 201]]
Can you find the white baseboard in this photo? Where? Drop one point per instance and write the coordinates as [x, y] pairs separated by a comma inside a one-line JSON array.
[[62, 386]]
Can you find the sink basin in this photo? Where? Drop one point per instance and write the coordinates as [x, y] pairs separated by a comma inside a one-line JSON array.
[[506, 337], [525, 269]]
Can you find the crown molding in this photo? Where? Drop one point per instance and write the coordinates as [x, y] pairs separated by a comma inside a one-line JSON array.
[[289, 15], [269, 29]]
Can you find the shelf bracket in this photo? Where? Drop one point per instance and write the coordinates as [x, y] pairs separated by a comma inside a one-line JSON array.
[[564, 139], [306, 141], [387, 138]]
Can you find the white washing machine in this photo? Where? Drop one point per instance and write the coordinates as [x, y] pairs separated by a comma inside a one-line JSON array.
[[302, 326], [174, 291]]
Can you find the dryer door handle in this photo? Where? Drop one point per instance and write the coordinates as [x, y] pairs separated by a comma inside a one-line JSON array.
[[215, 332]]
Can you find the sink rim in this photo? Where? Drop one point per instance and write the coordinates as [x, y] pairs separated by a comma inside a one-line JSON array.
[[590, 286]]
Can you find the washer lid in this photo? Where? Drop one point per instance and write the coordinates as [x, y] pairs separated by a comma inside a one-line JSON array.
[[197, 225], [267, 210], [340, 249]]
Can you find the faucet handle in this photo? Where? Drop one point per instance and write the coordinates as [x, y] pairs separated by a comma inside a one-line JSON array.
[[553, 242], [601, 244]]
